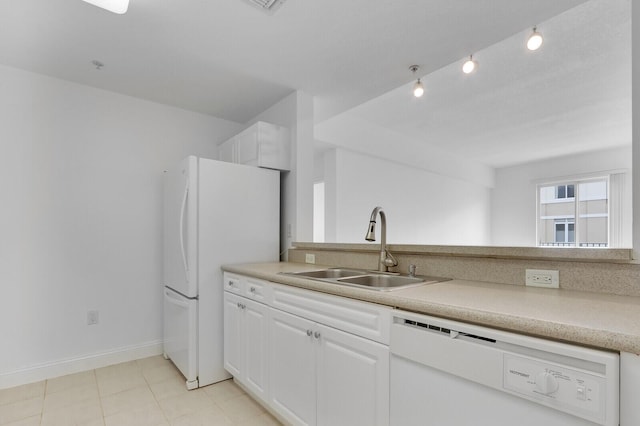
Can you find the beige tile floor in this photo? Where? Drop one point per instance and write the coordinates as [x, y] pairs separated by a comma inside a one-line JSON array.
[[148, 391]]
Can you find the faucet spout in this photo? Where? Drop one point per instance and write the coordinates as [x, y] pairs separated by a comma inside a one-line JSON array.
[[386, 259]]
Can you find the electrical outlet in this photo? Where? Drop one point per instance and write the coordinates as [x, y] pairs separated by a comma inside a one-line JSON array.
[[310, 258], [93, 317], [542, 278]]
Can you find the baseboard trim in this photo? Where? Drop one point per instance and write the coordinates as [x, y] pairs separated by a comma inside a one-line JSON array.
[[49, 370]]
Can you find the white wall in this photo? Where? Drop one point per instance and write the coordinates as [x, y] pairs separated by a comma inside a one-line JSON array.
[[514, 195], [421, 207], [350, 132], [81, 217]]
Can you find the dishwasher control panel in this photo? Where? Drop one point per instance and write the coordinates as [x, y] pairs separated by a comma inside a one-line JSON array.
[[562, 387]]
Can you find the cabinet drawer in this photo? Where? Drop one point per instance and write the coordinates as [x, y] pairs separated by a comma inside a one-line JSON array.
[[256, 289], [360, 318], [233, 283]]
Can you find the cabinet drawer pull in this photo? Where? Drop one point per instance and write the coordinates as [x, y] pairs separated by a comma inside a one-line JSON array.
[[253, 290], [309, 333], [316, 335]]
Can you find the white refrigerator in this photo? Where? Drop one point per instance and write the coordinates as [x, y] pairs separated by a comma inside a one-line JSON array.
[[214, 213]]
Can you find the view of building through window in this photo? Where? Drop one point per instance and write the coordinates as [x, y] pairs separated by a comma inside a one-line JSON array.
[[561, 203]]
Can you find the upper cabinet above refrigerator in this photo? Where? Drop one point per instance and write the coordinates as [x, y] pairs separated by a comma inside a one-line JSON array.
[[262, 145]]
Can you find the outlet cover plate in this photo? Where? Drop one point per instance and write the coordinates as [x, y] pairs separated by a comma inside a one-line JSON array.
[[542, 278], [93, 317], [310, 258]]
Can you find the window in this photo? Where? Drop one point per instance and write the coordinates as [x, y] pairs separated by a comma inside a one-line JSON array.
[[565, 232], [574, 214], [565, 191]]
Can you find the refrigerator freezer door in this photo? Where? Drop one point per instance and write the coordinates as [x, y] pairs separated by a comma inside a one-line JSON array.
[[180, 228], [180, 334]]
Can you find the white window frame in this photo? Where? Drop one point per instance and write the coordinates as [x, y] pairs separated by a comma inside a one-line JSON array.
[[566, 191], [566, 221], [576, 181]]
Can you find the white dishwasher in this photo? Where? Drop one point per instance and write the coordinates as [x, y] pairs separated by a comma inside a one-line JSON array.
[[448, 373]]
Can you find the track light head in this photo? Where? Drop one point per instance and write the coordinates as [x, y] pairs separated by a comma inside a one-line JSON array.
[[418, 88], [535, 40], [469, 66]]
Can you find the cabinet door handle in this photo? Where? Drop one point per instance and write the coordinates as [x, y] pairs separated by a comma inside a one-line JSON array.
[[309, 333], [252, 290], [316, 334], [230, 283]]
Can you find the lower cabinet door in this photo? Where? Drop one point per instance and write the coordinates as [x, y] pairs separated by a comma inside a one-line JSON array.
[[353, 380], [256, 344], [233, 335], [292, 367]]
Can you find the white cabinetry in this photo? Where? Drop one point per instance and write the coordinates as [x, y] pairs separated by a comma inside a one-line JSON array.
[[321, 369], [245, 342], [292, 368], [629, 389], [323, 376], [262, 144], [326, 359], [352, 380], [233, 345], [227, 151]]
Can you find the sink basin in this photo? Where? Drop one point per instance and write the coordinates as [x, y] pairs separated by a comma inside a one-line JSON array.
[[382, 281], [379, 281], [330, 273]]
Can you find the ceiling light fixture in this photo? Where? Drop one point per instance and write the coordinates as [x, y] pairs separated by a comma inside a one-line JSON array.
[[469, 66], [535, 40], [115, 6], [418, 88]]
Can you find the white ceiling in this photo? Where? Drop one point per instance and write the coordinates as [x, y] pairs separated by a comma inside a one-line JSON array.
[[571, 96], [230, 60]]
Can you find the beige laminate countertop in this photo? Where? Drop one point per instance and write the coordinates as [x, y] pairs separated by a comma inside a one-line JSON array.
[[593, 319]]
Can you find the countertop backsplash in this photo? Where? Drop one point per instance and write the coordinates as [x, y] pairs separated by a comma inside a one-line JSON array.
[[594, 270]]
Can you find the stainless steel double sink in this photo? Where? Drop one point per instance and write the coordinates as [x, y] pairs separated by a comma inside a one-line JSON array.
[[380, 281]]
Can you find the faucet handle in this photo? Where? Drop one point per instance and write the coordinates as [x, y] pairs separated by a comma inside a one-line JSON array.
[[389, 260], [412, 270]]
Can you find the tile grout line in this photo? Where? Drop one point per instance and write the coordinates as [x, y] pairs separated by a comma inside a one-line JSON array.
[[155, 398], [44, 395], [95, 376]]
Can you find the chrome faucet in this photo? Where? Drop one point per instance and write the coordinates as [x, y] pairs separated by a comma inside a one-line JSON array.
[[386, 259]]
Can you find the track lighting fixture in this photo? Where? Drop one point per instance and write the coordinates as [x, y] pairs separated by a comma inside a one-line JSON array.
[[469, 66], [535, 40], [418, 88]]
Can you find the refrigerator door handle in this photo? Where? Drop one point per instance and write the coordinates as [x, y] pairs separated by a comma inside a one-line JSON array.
[[183, 209], [174, 300]]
